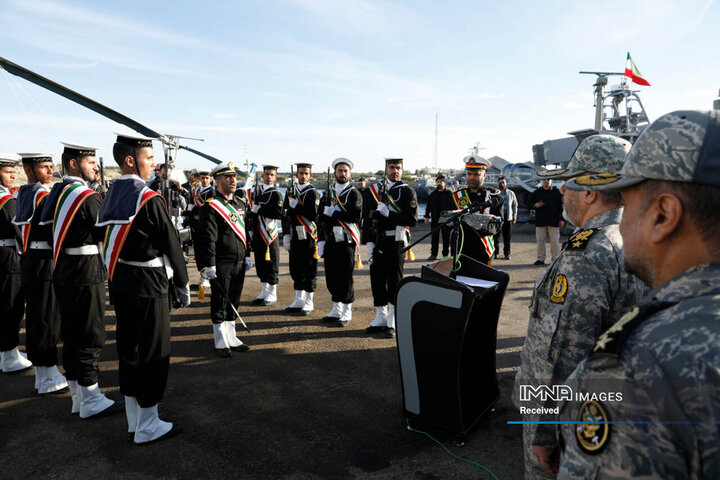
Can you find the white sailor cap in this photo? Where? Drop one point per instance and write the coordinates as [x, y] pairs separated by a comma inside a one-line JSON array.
[[225, 168], [341, 161], [35, 158], [78, 151], [9, 159]]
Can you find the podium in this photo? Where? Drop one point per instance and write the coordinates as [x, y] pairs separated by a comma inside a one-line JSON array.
[[446, 336]]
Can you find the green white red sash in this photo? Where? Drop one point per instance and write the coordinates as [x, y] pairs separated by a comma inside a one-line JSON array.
[[396, 208], [115, 235], [375, 193], [39, 196], [351, 229], [461, 198], [231, 217], [310, 226], [71, 198], [268, 229], [4, 199]]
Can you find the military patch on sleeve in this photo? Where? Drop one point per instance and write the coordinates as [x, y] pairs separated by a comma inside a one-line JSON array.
[[559, 290], [580, 239], [413, 204], [594, 433]]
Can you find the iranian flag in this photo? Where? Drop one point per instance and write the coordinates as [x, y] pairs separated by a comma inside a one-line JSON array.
[[632, 72]]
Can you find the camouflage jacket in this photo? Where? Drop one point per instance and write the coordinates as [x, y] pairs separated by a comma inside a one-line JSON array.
[[581, 294], [664, 360]]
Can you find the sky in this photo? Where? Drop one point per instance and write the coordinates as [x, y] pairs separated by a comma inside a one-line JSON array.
[[285, 81]]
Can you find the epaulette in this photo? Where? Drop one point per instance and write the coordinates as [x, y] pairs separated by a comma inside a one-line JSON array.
[[580, 239], [614, 337]]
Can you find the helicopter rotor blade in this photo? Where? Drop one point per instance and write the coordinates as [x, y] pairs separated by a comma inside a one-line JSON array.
[[78, 98], [201, 154]]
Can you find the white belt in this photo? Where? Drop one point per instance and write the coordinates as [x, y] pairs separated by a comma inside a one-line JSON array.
[[390, 233], [8, 242], [40, 246], [84, 250], [155, 262]]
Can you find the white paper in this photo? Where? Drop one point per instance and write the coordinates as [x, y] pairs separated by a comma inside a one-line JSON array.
[[475, 282]]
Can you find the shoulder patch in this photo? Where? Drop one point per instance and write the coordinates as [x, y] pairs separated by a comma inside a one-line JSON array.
[[593, 433], [560, 287], [579, 240]]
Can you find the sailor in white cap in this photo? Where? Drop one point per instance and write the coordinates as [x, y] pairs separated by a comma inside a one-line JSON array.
[[79, 278], [341, 210], [140, 243], [12, 304], [223, 256], [41, 317], [267, 205]]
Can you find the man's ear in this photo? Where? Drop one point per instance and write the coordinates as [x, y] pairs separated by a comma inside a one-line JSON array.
[[130, 161], [667, 212], [590, 197]]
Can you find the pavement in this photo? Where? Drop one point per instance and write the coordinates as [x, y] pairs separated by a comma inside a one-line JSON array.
[[308, 401]]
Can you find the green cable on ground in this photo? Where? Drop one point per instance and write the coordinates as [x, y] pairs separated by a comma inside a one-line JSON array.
[[458, 264], [448, 451]]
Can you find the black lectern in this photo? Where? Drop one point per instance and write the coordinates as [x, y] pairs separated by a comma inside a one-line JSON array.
[[446, 333]]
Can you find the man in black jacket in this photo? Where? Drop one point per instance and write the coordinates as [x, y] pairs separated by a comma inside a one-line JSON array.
[[548, 204], [223, 256], [300, 238], [439, 200], [394, 212]]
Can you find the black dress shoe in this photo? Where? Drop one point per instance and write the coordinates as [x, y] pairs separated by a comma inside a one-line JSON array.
[[131, 435], [116, 407], [194, 287], [372, 329], [330, 319], [389, 332], [343, 323], [257, 301], [176, 428], [539, 262], [432, 257], [240, 348], [223, 352], [305, 312], [292, 309]]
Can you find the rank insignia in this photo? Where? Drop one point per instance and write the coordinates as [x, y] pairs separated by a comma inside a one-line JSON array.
[[593, 434], [580, 239], [559, 290]]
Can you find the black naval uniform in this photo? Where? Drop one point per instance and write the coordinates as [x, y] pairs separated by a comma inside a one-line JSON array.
[[303, 265], [79, 283], [271, 206], [366, 222], [386, 270], [472, 245], [219, 246], [12, 304], [340, 255], [140, 296], [42, 321]]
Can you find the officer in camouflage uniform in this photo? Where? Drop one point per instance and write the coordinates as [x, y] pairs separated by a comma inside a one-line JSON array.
[[664, 356], [582, 293]]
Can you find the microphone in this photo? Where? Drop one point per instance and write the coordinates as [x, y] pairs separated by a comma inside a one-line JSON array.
[[477, 206]]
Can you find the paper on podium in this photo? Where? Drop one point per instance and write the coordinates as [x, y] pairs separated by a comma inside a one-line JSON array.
[[475, 282]]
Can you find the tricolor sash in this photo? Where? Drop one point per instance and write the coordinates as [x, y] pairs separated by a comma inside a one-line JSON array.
[[116, 233], [26, 208], [396, 208], [489, 245], [268, 229], [310, 226], [231, 217], [71, 198], [375, 193], [351, 229], [4, 199], [461, 198]]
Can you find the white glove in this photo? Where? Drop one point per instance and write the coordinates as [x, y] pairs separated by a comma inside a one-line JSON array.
[[328, 211], [286, 242], [383, 209], [183, 295], [248, 263], [321, 248], [371, 248], [255, 208], [293, 202], [210, 273]]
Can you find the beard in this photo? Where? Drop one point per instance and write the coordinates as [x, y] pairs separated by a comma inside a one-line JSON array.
[[640, 269]]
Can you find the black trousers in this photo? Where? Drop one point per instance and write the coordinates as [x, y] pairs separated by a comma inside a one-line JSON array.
[[471, 243], [231, 278], [386, 270], [303, 267], [12, 303], [339, 267], [267, 271], [436, 239], [143, 344], [82, 329], [42, 322], [506, 234]]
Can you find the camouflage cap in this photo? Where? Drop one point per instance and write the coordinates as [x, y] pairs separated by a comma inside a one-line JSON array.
[[595, 154], [681, 146]]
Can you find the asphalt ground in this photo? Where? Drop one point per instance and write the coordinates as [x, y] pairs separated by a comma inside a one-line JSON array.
[[308, 401]]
